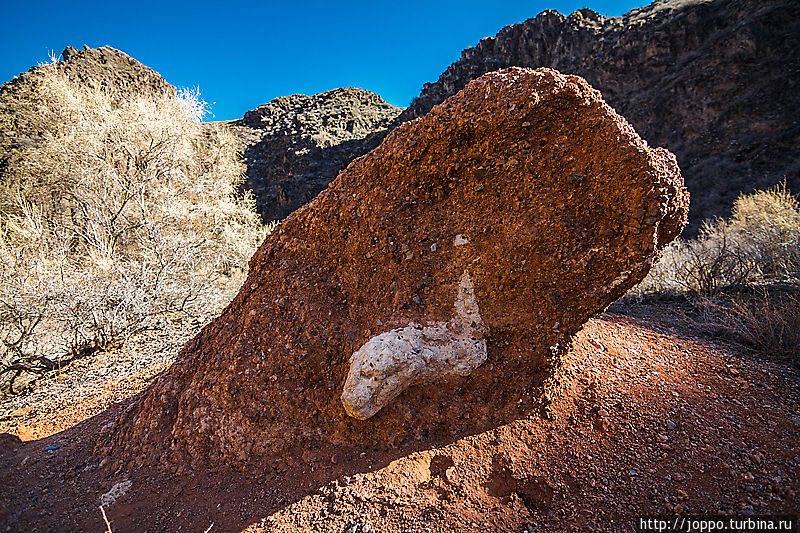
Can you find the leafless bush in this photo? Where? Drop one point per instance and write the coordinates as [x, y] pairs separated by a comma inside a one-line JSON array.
[[120, 213], [706, 265]]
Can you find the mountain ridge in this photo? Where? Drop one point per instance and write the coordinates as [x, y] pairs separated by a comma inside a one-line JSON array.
[[295, 145], [717, 82], [714, 81]]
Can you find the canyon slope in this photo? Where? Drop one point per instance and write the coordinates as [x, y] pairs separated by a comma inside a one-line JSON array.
[[715, 82], [295, 145], [106, 67]]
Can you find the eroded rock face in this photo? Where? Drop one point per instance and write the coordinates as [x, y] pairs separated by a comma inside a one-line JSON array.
[[716, 82], [526, 181], [295, 145]]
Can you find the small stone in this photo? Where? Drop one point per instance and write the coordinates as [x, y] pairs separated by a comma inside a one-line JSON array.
[[671, 426], [451, 475], [601, 422], [461, 240], [748, 476], [433, 247], [117, 491]]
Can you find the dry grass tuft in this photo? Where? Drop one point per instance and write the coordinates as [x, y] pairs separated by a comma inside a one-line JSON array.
[[769, 322]]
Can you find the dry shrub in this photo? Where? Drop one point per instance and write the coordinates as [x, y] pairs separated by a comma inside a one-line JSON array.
[[760, 242], [768, 321], [744, 270], [767, 226], [118, 213]]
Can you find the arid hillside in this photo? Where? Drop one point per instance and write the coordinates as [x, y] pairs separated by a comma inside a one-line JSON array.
[[717, 82], [482, 313], [295, 145], [105, 67]]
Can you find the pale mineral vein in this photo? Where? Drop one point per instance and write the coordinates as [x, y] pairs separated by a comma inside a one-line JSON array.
[[389, 363]]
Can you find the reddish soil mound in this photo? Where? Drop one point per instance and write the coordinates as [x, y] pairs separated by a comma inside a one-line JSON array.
[[651, 418], [525, 181]]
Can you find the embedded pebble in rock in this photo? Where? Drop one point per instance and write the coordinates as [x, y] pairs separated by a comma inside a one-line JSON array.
[[544, 253], [389, 363]]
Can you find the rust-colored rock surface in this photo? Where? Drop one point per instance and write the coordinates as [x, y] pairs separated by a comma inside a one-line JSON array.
[[525, 182]]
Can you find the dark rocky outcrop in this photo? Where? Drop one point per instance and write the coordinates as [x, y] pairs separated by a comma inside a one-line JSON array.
[[717, 82], [295, 145], [496, 225]]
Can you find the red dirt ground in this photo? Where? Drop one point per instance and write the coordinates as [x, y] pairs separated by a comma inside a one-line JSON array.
[[653, 417]]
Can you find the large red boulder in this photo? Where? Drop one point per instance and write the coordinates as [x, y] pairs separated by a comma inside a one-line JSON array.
[[428, 292]]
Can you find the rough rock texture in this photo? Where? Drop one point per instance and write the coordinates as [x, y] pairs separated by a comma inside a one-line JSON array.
[[295, 145], [557, 207], [112, 69], [105, 67], [715, 82]]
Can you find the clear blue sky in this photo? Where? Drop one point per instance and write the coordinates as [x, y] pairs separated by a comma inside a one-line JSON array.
[[242, 55]]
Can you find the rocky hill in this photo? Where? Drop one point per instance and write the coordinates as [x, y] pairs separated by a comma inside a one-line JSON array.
[[295, 145], [717, 82], [111, 68], [106, 67], [102, 67]]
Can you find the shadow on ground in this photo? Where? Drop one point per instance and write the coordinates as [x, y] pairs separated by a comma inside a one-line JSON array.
[[651, 419]]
